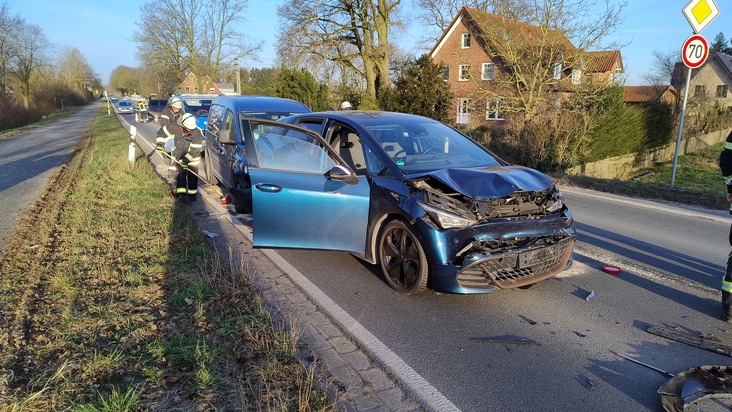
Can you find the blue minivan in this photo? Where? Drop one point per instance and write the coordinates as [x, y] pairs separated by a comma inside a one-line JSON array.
[[224, 160]]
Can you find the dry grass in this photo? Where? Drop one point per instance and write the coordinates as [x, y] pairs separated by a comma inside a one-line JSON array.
[[112, 300]]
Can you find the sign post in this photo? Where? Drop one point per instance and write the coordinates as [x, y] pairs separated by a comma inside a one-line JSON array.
[[694, 52]]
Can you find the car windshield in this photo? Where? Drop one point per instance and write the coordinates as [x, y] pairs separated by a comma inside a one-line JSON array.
[[420, 145], [124, 103], [198, 107]]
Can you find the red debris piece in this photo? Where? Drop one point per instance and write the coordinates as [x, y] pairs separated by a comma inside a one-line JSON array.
[[613, 270]]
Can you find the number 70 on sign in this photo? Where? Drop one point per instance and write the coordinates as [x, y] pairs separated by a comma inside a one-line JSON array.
[[695, 51]]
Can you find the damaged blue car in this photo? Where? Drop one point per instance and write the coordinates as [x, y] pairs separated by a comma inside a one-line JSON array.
[[430, 206]]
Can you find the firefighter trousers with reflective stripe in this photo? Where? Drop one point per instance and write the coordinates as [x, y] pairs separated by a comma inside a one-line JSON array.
[[727, 285], [186, 183]]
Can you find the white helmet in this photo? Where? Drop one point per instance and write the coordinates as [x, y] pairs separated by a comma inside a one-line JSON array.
[[176, 102], [188, 121], [346, 105]]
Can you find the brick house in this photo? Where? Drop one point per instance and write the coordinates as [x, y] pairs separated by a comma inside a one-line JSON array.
[[710, 83], [190, 85], [473, 75], [602, 66]]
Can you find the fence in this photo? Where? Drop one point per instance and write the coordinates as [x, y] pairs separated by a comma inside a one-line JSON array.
[[622, 167]]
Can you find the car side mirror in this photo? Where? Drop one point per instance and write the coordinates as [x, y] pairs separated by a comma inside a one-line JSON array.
[[225, 137], [340, 173]]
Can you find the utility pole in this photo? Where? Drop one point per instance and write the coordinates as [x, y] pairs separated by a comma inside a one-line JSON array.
[[238, 77]]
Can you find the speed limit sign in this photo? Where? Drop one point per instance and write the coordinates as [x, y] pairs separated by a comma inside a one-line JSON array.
[[695, 51]]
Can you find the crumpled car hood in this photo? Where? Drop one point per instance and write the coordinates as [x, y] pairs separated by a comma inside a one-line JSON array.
[[490, 182]]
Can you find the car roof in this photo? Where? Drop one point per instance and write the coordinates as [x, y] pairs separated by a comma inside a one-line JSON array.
[[366, 117], [261, 103]]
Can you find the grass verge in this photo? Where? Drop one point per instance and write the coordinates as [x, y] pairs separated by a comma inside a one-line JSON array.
[[112, 300], [698, 181]]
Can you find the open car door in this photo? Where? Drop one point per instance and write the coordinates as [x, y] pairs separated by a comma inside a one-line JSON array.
[[303, 195]]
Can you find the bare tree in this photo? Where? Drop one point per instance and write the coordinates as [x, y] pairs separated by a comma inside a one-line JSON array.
[[436, 15], [192, 35], [662, 69], [8, 25], [74, 70], [29, 53], [352, 33]]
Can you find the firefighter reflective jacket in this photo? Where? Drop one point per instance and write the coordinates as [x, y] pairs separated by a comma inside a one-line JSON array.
[[188, 144], [725, 163], [167, 126]]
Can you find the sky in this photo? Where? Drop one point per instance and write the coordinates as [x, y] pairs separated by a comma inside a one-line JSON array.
[[102, 30]]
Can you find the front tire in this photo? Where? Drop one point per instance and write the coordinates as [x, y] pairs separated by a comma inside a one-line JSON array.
[[402, 259]]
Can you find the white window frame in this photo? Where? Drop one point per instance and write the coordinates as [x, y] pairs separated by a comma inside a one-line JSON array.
[[492, 111], [464, 109], [557, 71], [464, 72], [576, 76], [465, 41], [445, 72], [484, 75]]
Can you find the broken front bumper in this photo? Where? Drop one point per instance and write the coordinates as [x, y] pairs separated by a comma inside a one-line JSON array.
[[499, 254]]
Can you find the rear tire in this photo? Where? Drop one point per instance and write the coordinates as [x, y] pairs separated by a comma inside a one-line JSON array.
[[402, 259]]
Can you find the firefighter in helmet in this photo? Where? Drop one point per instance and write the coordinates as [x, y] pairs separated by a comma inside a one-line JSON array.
[[168, 119], [187, 153], [725, 163]]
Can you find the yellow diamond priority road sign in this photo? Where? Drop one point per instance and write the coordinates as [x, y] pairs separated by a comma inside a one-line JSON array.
[[700, 13]]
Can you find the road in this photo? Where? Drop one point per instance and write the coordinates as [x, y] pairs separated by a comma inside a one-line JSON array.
[[672, 264], [29, 159]]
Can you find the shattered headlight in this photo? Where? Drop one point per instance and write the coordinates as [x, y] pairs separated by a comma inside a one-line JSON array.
[[556, 202], [447, 220]]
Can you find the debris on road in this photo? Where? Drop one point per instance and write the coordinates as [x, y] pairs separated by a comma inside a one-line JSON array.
[[588, 383], [710, 344], [580, 334], [210, 235], [528, 320], [665, 373], [591, 297], [518, 340], [613, 270], [704, 388]]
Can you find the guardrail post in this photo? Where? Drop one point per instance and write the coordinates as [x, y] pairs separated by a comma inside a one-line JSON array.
[[133, 145]]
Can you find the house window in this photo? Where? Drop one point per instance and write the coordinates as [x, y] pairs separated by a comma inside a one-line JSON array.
[[466, 41], [463, 114], [557, 72], [188, 89], [464, 72], [576, 76], [700, 91], [488, 72], [492, 110], [722, 91], [212, 90], [445, 73], [195, 90]]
